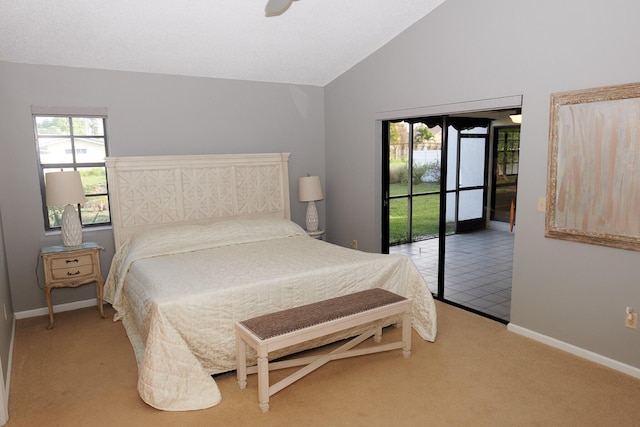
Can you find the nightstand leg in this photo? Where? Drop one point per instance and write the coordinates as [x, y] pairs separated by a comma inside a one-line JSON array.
[[47, 295], [99, 292]]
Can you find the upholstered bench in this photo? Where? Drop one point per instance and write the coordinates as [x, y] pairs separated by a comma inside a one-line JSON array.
[[297, 325]]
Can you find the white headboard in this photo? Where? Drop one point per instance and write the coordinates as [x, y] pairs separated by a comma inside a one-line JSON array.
[[154, 191]]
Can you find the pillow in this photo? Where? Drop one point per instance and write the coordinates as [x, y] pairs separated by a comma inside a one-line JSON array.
[[187, 238]]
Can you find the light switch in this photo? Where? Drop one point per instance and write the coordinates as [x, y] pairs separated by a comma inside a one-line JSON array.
[[542, 204]]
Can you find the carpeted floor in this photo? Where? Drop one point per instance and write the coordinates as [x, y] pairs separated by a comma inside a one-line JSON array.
[[83, 373]]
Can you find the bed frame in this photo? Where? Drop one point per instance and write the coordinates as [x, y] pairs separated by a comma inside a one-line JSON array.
[[148, 192]]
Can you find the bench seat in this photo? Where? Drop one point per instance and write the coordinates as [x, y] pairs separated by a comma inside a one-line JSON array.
[[285, 328]]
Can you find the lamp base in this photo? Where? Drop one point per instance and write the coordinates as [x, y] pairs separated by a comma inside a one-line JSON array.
[[312, 217], [71, 227]]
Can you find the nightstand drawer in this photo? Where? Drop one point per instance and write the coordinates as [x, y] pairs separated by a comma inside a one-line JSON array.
[[72, 272], [71, 262]]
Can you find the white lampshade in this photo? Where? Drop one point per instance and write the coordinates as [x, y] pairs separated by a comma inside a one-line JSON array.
[[65, 189], [309, 189]]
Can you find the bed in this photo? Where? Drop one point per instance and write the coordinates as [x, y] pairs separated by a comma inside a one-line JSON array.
[[205, 241]]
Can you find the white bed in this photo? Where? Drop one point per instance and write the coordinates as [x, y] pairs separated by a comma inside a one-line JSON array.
[[179, 280]]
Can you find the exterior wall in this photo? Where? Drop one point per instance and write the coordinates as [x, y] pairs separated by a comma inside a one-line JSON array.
[[467, 50]]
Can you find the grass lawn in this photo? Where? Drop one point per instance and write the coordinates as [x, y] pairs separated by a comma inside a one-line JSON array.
[[426, 213]]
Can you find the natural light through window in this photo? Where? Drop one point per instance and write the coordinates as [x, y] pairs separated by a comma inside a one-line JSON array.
[[75, 143]]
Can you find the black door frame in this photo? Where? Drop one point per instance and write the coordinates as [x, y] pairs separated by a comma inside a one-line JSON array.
[[476, 223], [445, 122]]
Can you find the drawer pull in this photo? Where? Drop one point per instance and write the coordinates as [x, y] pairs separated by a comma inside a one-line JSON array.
[[73, 274], [69, 261]]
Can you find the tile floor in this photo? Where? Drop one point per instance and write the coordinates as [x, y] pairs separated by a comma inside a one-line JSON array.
[[478, 269]]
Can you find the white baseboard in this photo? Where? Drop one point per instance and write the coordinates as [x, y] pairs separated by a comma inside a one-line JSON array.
[[56, 309], [577, 351]]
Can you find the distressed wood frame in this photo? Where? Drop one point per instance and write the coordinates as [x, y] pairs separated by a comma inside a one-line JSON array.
[[593, 183]]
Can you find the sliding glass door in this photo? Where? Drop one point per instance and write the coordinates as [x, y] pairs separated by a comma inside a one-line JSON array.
[[434, 185], [443, 176]]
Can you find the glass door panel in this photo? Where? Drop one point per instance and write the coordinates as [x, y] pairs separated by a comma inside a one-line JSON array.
[[506, 159], [444, 160], [470, 205], [472, 162], [425, 217], [398, 221], [452, 160], [471, 148]]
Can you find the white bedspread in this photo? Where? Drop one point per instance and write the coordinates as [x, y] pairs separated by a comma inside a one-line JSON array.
[[179, 292]]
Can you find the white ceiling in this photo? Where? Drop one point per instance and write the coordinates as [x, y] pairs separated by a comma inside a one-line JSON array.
[[312, 43]]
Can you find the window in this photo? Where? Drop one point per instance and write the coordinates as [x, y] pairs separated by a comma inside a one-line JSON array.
[[74, 142]]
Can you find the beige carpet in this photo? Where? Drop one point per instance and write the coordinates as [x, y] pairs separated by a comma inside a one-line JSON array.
[[83, 373]]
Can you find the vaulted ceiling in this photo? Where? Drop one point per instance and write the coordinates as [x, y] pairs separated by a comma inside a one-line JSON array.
[[312, 43]]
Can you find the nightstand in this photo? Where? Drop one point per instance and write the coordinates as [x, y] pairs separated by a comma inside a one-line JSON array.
[[70, 267], [316, 234]]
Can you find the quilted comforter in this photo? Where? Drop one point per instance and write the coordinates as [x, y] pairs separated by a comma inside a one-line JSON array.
[[180, 290]]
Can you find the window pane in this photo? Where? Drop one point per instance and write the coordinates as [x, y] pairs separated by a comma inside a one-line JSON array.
[[472, 162], [87, 126], [53, 125], [94, 180], [426, 217], [90, 150], [452, 158], [426, 158], [95, 210], [55, 216], [55, 150], [398, 221], [470, 205], [399, 158]]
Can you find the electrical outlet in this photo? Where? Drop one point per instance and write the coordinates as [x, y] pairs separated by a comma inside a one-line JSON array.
[[631, 320], [354, 244]]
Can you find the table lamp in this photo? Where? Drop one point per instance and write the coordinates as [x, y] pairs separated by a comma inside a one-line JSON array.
[[310, 190], [64, 188]]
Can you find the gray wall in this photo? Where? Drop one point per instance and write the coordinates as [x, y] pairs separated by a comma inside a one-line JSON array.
[[6, 306], [469, 50], [148, 115]]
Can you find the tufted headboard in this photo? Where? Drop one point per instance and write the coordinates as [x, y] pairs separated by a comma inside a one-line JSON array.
[[147, 192]]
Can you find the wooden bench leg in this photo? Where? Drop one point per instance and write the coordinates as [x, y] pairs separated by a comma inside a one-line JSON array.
[[263, 381], [241, 362], [377, 337], [406, 334]]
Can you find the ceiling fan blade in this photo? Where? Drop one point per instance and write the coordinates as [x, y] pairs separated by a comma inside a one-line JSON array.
[[276, 7]]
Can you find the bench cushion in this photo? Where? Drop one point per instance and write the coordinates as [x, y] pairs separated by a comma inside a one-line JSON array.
[[293, 319]]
